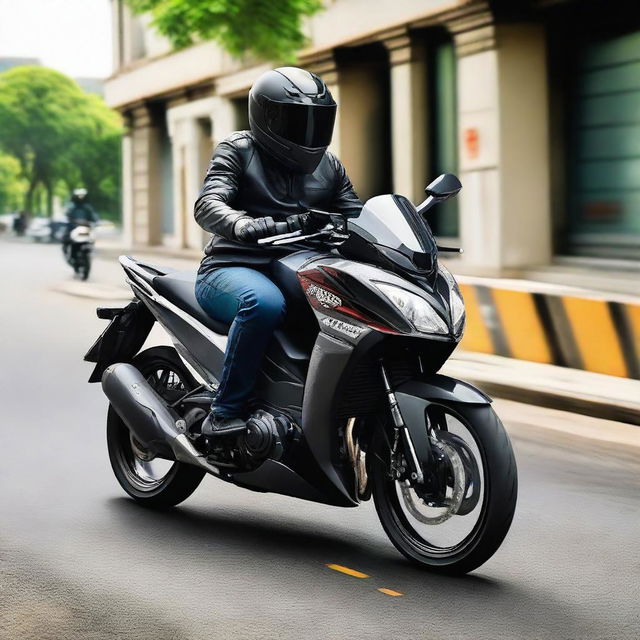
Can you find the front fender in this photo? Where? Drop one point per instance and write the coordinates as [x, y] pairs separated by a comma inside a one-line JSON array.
[[441, 388], [415, 396]]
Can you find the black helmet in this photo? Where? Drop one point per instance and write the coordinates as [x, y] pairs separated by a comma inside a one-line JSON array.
[[291, 114]]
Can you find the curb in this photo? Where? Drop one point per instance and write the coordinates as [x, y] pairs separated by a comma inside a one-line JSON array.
[[549, 386]]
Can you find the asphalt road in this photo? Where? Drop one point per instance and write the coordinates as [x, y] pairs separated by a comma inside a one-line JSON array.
[[80, 560]]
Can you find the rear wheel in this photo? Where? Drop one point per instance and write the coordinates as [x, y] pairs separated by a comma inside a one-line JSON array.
[[153, 481], [464, 526]]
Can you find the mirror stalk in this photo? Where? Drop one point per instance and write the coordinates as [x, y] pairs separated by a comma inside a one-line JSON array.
[[425, 205]]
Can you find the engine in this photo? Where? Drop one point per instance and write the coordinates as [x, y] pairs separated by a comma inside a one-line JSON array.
[[265, 437]]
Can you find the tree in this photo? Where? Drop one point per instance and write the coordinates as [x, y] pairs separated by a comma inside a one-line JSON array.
[[37, 108], [270, 30], [93, 158], [56, 131], [12, 185]]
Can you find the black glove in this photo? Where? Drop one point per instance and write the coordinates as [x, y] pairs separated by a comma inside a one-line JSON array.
[[252, 229], [311, 222]]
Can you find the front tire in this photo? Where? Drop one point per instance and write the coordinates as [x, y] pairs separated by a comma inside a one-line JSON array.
[[154, 482], [84, 267], [492, 515]]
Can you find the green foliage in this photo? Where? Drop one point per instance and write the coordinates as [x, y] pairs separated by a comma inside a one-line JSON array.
[[59, 135], [93, 158], [267, 29], [12, 185]]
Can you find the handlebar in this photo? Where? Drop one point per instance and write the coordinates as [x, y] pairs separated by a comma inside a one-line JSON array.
[[329, 231]]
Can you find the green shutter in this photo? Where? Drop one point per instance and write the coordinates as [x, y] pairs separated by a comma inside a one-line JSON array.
[[605, 151], [444, 133]]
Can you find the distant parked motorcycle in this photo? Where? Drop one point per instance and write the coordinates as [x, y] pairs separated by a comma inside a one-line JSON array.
[[78, 247], [348, 404]]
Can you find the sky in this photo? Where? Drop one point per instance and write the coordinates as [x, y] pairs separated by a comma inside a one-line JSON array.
[[72, 36]]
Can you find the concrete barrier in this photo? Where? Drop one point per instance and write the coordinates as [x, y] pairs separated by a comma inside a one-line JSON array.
[[542, 324]]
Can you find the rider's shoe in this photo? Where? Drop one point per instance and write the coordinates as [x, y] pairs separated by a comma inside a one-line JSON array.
[[217, 425]]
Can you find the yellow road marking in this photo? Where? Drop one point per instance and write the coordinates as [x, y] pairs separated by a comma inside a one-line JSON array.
[[349, 572], [390, 592]]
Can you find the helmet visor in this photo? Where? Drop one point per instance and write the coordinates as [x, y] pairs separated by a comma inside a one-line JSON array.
[[307, 125]]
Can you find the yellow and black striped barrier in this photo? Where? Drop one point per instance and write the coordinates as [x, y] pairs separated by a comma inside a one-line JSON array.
[[581, 332]]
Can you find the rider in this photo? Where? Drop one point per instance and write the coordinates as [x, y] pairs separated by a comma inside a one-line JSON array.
[[79, 212], [262, 183]]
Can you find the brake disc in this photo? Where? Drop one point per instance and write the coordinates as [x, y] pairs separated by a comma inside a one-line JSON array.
[[451, 504]]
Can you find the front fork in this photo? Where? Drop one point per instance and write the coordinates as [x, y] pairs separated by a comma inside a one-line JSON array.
[[432, 458], [402, 431]]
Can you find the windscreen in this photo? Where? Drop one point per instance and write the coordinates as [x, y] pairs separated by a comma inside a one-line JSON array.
[[391, 221], [303, 124]]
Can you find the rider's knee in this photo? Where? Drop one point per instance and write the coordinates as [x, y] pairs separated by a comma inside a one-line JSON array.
[[267, 308]]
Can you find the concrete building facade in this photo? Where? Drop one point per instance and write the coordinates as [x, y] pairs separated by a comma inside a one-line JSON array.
[[534, 104]]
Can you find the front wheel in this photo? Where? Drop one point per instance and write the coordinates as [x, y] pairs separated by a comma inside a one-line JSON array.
[[463, 526], [155, 482], [82, 264]]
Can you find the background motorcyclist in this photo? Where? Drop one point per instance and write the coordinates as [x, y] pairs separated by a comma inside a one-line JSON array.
[[261, 183], [79, 212]]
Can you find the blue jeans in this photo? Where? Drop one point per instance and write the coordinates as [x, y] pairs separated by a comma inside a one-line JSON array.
[[253, 306]]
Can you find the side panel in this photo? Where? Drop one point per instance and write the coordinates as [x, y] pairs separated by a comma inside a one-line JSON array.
[[197, 346], [328, 362]]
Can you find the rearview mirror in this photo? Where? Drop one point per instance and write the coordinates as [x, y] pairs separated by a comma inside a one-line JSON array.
[[444, 187]]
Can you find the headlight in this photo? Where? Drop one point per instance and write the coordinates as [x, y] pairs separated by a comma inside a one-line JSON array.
[[455, 300], [415, 309]]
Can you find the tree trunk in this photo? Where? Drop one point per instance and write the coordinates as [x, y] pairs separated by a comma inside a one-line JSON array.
[[49, 189], [28, 198]]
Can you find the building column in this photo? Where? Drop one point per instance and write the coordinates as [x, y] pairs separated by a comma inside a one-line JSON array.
[[189, 138], [409, 115], [505, 218], [127, 185], [223, 119], [145, 192]]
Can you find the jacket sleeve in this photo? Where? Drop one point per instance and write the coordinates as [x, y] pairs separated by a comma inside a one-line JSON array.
[[213, 209], [345, 199], [93, 214]]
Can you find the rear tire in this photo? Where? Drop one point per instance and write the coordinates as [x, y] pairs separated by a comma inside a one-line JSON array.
[[131, 470], [500, 486]]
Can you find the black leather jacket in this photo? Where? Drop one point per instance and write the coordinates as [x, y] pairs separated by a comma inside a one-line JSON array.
[[243, 181]]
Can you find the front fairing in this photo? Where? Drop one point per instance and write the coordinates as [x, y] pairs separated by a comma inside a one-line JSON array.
[[355, 283]]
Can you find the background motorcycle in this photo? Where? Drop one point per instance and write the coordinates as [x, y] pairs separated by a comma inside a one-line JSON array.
[[78, 248], [348, 403]]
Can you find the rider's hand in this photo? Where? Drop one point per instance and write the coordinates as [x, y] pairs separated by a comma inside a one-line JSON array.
[[311, 222], [253, 229]]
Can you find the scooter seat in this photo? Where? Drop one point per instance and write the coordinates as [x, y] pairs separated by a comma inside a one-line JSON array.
[[179, 287]]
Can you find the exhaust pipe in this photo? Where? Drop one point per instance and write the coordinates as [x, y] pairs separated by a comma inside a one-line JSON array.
[[155, 425]]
